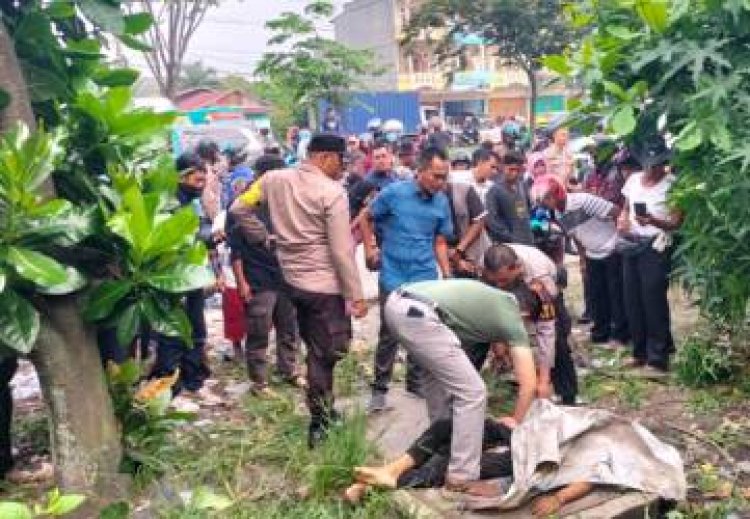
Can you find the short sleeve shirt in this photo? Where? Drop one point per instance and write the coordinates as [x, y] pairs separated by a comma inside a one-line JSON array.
[[655, 198], [408, 221], [476, 312], [587, 219]]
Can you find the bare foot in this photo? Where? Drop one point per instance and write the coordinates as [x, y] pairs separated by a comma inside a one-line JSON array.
[[354, 494], [375, 476]]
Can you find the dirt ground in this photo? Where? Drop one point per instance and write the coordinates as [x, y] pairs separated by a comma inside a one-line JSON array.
[[710, 427]]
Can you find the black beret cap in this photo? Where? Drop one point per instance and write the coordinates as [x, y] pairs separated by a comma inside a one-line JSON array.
[[326, 142]]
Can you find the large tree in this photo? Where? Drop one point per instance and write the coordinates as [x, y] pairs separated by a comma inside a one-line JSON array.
[[522, 31], [197, 75], [307, 66], [680, 70], [87, 233], [175, 23]]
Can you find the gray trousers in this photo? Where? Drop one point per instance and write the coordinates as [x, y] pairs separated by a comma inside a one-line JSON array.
[[452, 385]]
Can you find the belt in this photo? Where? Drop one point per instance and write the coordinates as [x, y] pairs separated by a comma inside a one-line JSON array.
[[422, 299]]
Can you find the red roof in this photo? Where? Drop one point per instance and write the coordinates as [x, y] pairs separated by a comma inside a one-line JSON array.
[[206, 98]]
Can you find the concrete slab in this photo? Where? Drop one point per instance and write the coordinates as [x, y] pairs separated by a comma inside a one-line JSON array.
[[395, 429]]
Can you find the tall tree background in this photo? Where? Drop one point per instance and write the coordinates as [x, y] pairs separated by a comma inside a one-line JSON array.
[[523, 31], [168, 38], [305, 68]]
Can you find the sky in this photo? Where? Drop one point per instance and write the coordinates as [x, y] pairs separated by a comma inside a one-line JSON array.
[[232, 37]]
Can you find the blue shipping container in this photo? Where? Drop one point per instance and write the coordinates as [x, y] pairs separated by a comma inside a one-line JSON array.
[[364, 106]]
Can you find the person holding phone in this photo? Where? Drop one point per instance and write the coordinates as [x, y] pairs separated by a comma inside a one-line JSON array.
[[647, 218]]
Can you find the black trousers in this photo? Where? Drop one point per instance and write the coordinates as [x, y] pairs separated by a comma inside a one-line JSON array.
[[327, 330], [607, 299], [564, 376], [173, 353], [431, 454], [646, 279], [385, 355], [8, 367]]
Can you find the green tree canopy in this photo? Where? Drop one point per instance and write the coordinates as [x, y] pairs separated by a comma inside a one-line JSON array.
[[523, 31], [307, 67], [681, 69]]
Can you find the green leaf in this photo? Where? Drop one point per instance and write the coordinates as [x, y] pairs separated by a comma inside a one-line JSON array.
[[104, 15], [44, 84], [616, 90], [557, 63], [205, 499], [177, 230], [182, 278], [65, 229], [64, 504], [134, 43], [4, 99], [116, 77], [75, 282], [87, 48], [11, 510], [138, 23], [655, 13], [36, 267], [172, 322], [622, 32], [128, 325], [623, 121], [61, 10], [19, 323], [689, 138], [103, 299]]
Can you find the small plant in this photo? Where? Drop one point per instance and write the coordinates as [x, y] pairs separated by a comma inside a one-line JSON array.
[[704, 402], [633, 391], [703, 361], [346, 447], [144, 416], [54, 505], [346, 375]]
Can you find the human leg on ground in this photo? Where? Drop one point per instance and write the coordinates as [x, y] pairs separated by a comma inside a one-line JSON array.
[[598, 288], [287, 340], [259, 311], [634, 307], [326, 330], [620, 329], [654, 269], [437, 349], [564, 376]]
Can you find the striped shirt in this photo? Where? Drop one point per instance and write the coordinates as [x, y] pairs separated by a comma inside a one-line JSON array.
[[587, 218]]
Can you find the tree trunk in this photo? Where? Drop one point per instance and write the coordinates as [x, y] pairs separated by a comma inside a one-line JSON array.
[[86, 444], [11, 80], [534, 90], [85, 440]]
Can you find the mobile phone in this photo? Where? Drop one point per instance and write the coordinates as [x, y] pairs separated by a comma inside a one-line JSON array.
[[640, 209]]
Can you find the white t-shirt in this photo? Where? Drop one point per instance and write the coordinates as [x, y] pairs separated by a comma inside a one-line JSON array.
[[587, 219], [655, 198]]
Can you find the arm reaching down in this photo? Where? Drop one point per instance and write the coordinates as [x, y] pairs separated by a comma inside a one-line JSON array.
[[525, 372]]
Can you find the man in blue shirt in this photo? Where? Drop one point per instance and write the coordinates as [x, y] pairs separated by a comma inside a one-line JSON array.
[[414, 222]]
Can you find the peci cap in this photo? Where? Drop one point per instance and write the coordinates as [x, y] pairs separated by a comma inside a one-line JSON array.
[[322, 142], [188, 162]]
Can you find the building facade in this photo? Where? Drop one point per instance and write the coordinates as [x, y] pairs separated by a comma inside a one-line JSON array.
[[476, 83]]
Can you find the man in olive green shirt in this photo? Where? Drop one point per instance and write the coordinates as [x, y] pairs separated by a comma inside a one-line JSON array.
[[432, 320]]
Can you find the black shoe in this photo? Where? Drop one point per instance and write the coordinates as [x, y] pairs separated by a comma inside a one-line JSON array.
[[584, 319], [316, 435]]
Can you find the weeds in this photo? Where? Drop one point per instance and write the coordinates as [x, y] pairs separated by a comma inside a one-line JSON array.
[[633, 390], [346, 375], [703, 361], [347, 447]]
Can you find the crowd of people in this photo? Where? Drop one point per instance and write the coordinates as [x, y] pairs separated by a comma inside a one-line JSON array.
[[470, 259]]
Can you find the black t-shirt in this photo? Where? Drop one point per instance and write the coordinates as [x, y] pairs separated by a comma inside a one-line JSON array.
[[259, 264]]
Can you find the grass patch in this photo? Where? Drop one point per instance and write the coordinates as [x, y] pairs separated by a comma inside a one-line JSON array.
[[347, 376], [260, 465]]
